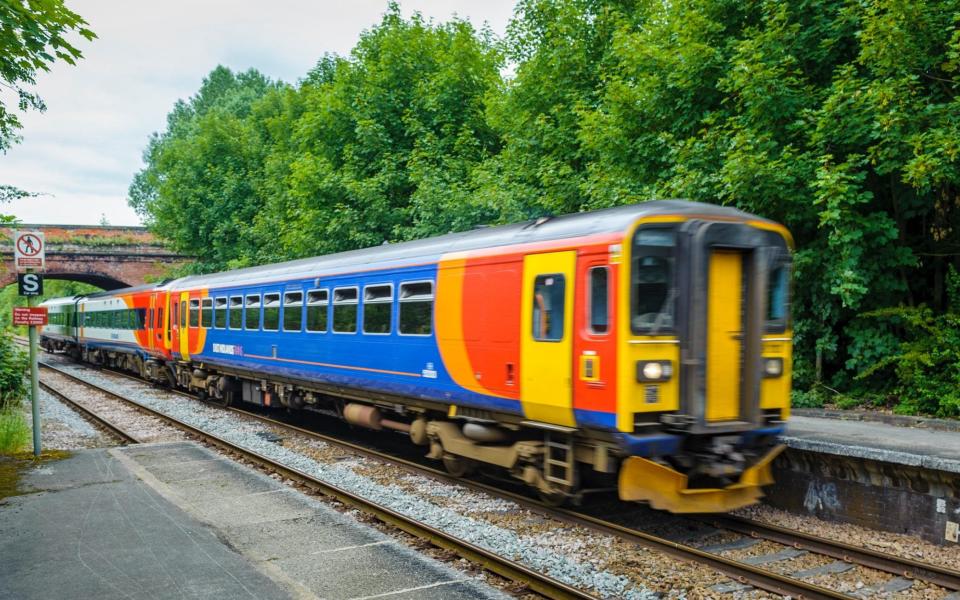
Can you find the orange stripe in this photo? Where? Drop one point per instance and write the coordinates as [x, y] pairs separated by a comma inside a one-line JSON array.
[[449, 317], [320, 364]]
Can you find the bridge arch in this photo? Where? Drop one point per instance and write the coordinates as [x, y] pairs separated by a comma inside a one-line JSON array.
[[101, 280], [108, 257]]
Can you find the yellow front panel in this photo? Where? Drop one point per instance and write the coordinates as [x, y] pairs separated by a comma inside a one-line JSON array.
[[547, 366], [632, 396], [775, 391], [724, 333]]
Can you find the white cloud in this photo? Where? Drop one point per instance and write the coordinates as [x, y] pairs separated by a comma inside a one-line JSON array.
[[86, 147]]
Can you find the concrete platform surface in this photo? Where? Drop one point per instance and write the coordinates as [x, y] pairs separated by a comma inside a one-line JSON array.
[[178, 521], [929, 449]]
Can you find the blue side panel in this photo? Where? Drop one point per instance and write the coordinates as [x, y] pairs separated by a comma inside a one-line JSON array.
[[659, 444], [594, 418], [118, 346], [408, 365]]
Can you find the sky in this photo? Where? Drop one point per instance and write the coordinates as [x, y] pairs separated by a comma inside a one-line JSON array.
[[81, 154]]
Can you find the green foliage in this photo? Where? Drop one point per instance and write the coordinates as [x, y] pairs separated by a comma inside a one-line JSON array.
[[198, 187], [33, 35], [14, 431], [13, 367], [839, 118], [925, 362]]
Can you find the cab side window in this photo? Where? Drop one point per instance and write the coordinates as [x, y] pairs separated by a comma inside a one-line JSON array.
[[599, 299]]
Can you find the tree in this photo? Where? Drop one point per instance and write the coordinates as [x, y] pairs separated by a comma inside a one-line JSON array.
[[33, 35], [382, 144], [198, 186]]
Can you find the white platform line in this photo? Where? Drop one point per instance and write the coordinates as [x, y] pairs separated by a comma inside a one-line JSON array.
[[352, 547], [413, 589]]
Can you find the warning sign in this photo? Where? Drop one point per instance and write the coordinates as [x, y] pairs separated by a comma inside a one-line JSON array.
[[29, 250], [29, 315]]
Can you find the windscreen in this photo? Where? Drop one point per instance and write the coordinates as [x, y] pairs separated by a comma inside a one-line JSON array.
[[653, 293]]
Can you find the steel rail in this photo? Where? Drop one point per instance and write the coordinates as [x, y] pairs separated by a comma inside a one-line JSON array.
[[740, 572], [93, 415], [906, 567], [744, 573], [512, 570]]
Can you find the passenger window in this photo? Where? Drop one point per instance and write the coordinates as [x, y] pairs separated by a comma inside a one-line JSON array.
[[252, 313], [206, 312], [548, 298], [271, 312], [236, 312], [194, 313], [345, 310], [317, 302], [599, 303], [159, 318], [293, 311], [220, 313], [416, 308], [377, 308]]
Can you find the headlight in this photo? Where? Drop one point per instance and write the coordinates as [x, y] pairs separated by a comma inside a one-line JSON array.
[[654, 370], [772, 367]]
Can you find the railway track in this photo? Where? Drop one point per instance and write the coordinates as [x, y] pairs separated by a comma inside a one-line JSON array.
[[740, 571], [512, 570]]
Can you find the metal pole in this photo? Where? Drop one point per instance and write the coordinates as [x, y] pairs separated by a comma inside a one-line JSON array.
[[34, 381]]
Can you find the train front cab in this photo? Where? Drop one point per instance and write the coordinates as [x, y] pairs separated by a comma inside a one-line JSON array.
[[703, 361]]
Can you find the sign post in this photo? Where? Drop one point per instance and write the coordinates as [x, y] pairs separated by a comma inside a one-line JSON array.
[[28, 255]]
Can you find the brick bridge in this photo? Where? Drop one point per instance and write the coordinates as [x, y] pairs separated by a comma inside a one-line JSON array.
[[102, 255]]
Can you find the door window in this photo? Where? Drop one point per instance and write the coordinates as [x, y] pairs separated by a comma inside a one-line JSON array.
[[548, 299]]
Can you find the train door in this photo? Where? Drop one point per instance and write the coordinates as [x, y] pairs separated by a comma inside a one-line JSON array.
[[546, 347], [724, 334], [173, 310], [151, 325]]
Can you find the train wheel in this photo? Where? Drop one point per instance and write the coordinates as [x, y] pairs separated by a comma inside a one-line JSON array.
[[553, 499], [458, 466]]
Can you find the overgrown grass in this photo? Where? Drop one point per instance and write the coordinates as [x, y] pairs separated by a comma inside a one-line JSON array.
[[14, 430]]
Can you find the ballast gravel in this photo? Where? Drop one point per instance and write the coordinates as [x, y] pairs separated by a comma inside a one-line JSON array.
[[571, 555], [62, 428], [144, 427]]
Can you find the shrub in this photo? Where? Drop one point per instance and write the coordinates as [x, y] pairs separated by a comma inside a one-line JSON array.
[[14, 430], [13, 367], [923, 371]]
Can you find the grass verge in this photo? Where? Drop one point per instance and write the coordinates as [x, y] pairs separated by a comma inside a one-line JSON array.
[[14, 430]]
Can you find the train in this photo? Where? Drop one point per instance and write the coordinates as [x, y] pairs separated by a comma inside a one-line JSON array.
[[642, 348]]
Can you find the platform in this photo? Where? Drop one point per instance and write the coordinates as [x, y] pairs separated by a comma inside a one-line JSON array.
[[881, 442], [877, 475], [178, 521]]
